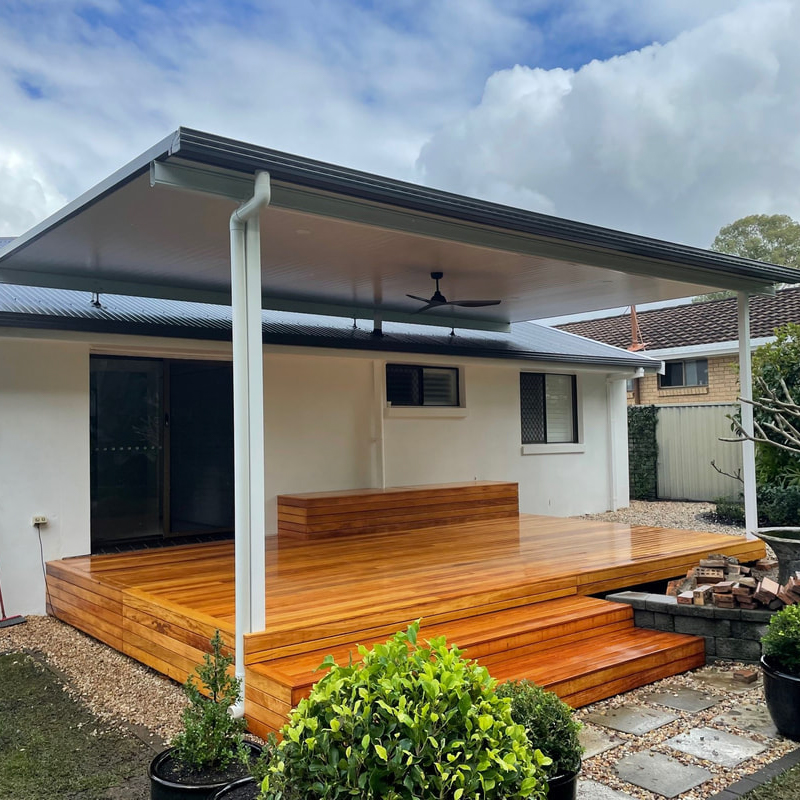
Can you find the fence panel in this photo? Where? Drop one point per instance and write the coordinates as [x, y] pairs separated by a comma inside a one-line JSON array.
[[688, 440]]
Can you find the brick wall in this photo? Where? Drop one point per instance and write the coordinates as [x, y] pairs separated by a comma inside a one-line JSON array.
[[723, 386]]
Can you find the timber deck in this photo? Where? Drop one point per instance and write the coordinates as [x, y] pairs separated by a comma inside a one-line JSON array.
[[507, 590]]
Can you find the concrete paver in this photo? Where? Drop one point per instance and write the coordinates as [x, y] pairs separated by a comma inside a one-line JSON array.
[[719, 747], [631, 719], [682, 699], [660, 774]]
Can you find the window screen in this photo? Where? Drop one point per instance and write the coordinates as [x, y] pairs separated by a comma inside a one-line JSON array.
[[409, 385], [548, 408]]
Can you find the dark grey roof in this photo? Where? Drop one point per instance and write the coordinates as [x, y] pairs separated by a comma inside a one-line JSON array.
[[61, 309]]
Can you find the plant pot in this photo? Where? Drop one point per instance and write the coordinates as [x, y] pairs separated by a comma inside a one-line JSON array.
[[164, 787], [785, 543], [243, 789], [783, 699], [563, 787]]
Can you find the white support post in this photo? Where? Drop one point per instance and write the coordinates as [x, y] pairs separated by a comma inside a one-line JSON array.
[[746, 393], [248, 420]]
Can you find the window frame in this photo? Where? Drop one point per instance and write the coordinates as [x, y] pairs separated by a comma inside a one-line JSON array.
[[421, 369], [683, 385], [576, 444]]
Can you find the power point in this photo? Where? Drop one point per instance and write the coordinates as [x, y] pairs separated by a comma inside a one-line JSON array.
[[39, 520]]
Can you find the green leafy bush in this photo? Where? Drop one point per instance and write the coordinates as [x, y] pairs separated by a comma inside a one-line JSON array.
[[642, 452], [729, 511], [407, 722], [778, 506], [549, 723], [781, 642], [211, 738]]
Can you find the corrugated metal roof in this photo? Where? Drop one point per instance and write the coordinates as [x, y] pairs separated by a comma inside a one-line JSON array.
[[61, 309]]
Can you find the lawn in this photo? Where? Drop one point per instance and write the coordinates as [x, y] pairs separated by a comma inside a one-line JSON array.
[[783, 787], [52, 746]]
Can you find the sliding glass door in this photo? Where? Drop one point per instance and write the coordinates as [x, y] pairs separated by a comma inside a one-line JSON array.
[[161, 449]]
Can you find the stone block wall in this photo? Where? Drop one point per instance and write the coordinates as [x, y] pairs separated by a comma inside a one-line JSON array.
[[731, 634]]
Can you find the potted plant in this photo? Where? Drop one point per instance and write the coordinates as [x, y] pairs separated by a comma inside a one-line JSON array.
[[210, 752], [249, 788], [551, 727], [407, 721], [780, 664]]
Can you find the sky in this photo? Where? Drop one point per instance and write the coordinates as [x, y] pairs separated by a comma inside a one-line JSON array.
[[667, 118]]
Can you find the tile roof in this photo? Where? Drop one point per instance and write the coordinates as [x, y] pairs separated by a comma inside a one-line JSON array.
[[63, 309], [693, 323]]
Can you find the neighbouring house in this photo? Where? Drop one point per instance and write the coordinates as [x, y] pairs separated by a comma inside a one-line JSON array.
[[698, 343], [218, 323]]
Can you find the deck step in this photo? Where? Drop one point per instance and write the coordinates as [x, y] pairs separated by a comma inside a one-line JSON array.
[[584, 672], [582, 648], [523, 630]]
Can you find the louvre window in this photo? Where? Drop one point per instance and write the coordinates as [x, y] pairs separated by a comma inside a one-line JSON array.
[[548, 408], [409, 385], [684, 373]]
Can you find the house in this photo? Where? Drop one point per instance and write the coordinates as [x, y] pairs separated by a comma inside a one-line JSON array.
[[315, 297], [698, 343]]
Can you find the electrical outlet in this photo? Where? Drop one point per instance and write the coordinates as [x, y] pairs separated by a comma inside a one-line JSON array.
[[39, 519]]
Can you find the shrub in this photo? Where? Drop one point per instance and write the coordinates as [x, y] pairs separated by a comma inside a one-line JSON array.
[[729, 511], [549, 723], [781, 642], [778, 506], [211, 738], [407, 722]]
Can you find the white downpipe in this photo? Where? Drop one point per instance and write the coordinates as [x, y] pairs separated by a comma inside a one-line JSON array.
[[248, 420], [746, 393]]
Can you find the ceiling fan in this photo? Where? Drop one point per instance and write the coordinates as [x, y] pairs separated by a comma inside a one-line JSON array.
[[438, 299]]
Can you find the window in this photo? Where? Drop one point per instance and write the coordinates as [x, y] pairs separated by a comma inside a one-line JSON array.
[[548, 408], [408, 385], [684, 373], [630, 385]]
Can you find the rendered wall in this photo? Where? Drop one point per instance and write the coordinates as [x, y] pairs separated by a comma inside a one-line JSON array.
[[44, 463], [326, 428]]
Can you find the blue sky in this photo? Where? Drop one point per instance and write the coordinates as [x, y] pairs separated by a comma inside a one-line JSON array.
[[667, 117]]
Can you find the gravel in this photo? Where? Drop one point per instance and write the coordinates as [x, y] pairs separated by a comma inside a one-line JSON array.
[[670, 514]]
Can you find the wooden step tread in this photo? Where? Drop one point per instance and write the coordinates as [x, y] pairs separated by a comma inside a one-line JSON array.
[[539, 626], [631, 655]]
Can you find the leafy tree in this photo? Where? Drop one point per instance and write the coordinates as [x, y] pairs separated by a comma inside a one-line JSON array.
[[773, 238]]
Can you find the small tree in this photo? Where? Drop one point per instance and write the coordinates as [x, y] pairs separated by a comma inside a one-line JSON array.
[[211, 738]]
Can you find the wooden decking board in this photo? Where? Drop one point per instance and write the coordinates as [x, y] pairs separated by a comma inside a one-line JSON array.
[[324, 595]]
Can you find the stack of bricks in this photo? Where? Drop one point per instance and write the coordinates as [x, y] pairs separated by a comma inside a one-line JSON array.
[[723, 582]]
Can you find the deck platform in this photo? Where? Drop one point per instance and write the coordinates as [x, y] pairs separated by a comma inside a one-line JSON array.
[[504, 589]]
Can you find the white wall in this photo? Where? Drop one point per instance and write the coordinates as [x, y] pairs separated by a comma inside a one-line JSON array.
[[44, 462], [486, 445], [325, 419]]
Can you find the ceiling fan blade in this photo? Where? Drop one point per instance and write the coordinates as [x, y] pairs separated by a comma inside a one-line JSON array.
[[421, 299], [432, 305], [475, 303]]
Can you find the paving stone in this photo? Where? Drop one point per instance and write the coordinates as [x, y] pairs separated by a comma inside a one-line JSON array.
[[631, 719], [749, 717], [724, 681], [595, 742], [725, 749], [682, 698], [660, 774], [592, 790]]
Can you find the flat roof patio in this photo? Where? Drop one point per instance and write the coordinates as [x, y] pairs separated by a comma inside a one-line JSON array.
[[481, 583]]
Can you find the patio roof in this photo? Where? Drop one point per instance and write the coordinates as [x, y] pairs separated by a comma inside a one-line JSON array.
[[338, 241]]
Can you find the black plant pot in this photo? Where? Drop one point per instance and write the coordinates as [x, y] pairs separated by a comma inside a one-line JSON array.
[[783, 699], [243, 789], [166, 788], [563, 787]]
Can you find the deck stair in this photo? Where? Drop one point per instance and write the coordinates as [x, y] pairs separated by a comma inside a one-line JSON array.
[[599, 653]]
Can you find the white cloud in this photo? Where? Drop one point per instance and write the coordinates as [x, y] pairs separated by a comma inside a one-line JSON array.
[[673, 140]]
